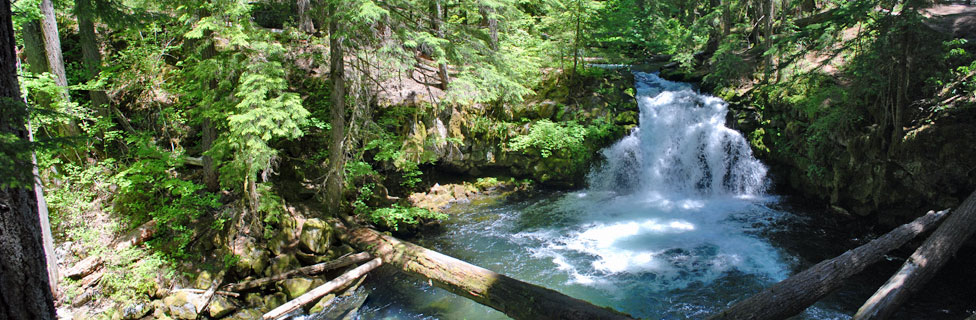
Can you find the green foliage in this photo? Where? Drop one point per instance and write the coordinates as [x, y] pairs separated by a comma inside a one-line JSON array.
[[396, 216], [151, 188], [547, 137], [265, 112], [130, 275]]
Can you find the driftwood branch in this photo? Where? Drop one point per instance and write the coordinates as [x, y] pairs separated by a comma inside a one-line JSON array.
[[324, 289], [517, 299], [924, 263], [791, 296], [304, 271]]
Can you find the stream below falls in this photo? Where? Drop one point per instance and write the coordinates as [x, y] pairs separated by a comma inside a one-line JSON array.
[[676, 224]]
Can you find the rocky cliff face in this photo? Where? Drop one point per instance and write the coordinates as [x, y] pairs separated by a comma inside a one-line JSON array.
[[474, 140], [932, 168]]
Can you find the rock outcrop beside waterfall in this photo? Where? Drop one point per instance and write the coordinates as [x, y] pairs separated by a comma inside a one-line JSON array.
[[473, 140]]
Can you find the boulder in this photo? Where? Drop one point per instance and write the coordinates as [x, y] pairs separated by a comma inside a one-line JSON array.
[[273, 301], [221, 306], [282, 263], [83, 268], [246, 314], [134, 311], [253, 259], [182, 305], [295, 287], [316, 236]]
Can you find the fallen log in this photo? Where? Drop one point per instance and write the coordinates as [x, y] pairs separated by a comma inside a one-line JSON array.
[[923, 264], [201, 291], [324, 289], [303, 271], [791, 296], [517, 299], [93, 263]]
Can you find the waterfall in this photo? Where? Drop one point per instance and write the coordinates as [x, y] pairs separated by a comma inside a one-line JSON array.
[[681, 147]]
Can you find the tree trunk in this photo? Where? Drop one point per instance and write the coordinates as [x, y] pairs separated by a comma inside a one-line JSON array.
[[36, 58], [791, 296], [38, 64], [488, 15], [341, 281], [438, 25], [304, 18], [309, 270], [42, 214], [92, 56], [24, 287], [517, 299], [208, 132], [337, 150], [924, 263], [55, 61]]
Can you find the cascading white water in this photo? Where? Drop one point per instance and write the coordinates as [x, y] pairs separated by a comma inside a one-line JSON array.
[[673, 203], [681, 147], [672, 226]]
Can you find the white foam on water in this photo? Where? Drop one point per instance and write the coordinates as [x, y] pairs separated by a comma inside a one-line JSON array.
[[676, 202]]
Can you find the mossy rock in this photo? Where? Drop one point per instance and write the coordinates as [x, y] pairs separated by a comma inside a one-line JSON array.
[[182, 305], [133, 311], [273, 301], [316, 236], [627, 117], [295, 287], [282, 263], [246, 314], [322, 304], [221, 306]]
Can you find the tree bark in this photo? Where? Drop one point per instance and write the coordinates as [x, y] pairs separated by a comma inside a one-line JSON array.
[[791, 296], [24, 287], [91, 54], [42, 214], [208, 132], [309, 270], [55, 61], [923, 264], [488, 15], [438, 24], [517, 299], [337, 151], [304, 18], [324, 289], [36, 58]]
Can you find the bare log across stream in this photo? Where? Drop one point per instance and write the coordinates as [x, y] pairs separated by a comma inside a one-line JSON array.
[[924, 263], [303, 271], [517, 299], [791, 296]]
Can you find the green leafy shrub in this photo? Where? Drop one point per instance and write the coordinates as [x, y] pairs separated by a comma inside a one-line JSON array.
[[150, 188], [548, 137], [397, 215]]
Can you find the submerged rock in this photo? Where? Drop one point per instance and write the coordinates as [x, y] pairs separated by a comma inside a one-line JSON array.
[[322, 304]]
